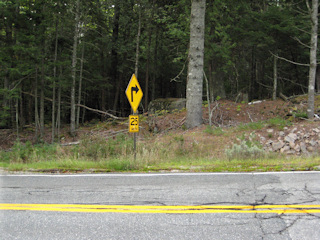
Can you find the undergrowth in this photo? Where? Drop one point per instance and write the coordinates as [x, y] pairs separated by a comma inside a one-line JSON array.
[[181, 152]]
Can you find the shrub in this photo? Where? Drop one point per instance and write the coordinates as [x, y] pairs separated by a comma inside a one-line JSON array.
[[245, 150]]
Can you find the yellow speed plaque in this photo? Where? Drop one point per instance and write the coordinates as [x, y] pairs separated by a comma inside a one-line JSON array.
[[134, 123]]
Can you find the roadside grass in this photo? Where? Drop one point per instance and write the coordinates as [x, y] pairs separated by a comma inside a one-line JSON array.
[[169, 165], [277, 122], [170, 152]]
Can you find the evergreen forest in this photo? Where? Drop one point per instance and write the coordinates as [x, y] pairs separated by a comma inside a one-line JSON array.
[[68, 61]]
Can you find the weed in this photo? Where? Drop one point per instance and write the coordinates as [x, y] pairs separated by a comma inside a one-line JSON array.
[[279, 123], [27, 153], [179, 145], [179, 139], [120, 165], [250, 126], [97, 147], [214, 131], [301, 115]]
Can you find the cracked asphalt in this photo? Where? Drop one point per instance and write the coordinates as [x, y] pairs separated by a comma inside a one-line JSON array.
[[203, 189]]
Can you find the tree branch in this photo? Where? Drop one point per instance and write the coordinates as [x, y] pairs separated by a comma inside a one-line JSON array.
[[299, 41], [287, 60], [175, 79]]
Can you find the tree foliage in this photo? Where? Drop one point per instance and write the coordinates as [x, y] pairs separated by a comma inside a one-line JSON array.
[[241, 40]]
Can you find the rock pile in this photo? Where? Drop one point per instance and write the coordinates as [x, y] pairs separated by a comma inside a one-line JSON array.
[[295, 141]]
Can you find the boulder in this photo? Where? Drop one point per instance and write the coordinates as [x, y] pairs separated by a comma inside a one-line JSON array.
[[167, 104]]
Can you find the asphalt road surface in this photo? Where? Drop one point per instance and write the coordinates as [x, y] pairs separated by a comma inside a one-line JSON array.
[[161, 206]]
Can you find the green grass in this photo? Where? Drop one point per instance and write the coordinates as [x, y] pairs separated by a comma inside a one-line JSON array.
[[278, 123], [251, 126], [215, 131]]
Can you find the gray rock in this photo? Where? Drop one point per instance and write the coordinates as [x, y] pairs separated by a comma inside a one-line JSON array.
[[303, 147], [297, 148], [293, 136], [316, 130], [294, 129], [269, 142], [292, 145], [270, 130], [263, 139], [285, 149], [310, 149], [276, 146]]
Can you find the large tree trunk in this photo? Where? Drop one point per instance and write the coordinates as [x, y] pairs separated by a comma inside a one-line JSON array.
[[313, 58], [195, 67], [73, 72]]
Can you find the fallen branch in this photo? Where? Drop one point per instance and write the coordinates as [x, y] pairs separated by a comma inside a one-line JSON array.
[[83, 106], [69, 144], [99, 111], [284, 97], [250, 116]]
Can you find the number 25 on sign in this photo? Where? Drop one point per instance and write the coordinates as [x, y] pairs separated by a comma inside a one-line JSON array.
[[134, 123]]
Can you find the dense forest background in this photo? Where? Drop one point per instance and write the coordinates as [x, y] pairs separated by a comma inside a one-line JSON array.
[[61, 58]]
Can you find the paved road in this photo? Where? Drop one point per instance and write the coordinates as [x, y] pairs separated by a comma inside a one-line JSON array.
[[113, 206]]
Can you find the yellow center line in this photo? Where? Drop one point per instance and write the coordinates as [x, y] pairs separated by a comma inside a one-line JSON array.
[[279, 209]]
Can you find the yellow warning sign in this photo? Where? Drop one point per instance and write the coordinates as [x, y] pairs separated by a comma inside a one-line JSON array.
[[134, 93], [134, 123]]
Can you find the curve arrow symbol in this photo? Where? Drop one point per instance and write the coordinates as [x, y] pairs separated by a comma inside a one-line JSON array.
[[136, 89]]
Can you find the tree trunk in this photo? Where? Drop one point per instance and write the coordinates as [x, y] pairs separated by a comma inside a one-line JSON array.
[[73, 72], [155, 67], [54, 84], [36, 113], [58, 121], [136, 68], [313, 58], [275, 78], [318, 78], [114, 54], [146, 88], [22, 119], [17, 117], [195, 67], [80, 85], [42, 84]]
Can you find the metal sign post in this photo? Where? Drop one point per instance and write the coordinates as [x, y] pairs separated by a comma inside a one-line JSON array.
[[134, 94]]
